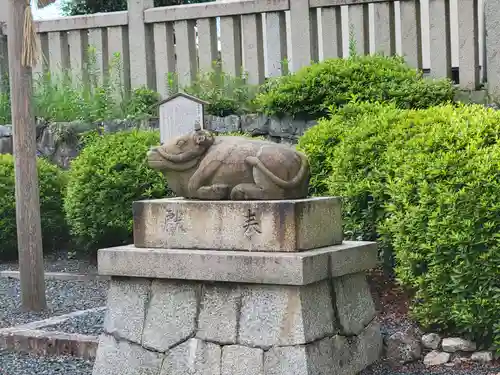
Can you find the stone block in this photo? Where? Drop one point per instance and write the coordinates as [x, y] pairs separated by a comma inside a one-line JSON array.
[[365, 349], [286, 361], [350, 259], [255, 124], [127, 300], [171, 314], [298, 268], [354, 303], [218, 319], [281, 225], [280, 315], [231, 123], [194, 357], [240, 360], [124, 358], [332, 355]]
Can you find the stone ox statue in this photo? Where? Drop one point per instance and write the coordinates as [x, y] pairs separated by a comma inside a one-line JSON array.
[[200, 165]]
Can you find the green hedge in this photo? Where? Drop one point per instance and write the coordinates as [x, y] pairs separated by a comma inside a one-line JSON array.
[[110, 173], [427, 184], [312, 90], [445, 218], [52, 182]]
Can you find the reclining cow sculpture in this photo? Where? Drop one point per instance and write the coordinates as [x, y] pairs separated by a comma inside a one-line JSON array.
[[199, 165]]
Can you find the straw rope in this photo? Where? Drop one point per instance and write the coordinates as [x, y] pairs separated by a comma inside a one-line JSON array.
[[30, 40]]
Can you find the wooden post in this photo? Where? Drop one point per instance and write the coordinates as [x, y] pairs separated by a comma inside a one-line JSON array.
[[29, 233]]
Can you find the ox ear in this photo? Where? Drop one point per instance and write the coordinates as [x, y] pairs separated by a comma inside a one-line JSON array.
[[203, 138]]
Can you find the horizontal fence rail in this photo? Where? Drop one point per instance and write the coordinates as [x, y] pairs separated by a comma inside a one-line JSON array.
[[263, 38]]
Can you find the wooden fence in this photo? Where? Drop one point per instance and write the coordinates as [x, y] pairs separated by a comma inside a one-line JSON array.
[[266, 37]]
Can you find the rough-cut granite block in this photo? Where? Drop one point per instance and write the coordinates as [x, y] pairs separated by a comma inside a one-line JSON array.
[[365, 349], [286, 361], [194, 357], [171, 315], [332, 355], [241, 360], [127, 300], [280, 225], [218, 319], [239, 266], [280, 315], [124, 358], [354, 303]]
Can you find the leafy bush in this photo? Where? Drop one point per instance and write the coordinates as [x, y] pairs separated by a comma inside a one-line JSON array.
[[52, 181], [426, 183], [346, 158], [445, 218], [312, 90], [226, 94], [110, 173], [143, 103]]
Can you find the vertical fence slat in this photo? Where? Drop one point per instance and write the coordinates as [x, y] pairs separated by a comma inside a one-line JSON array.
[[230, 38], [118, 55], [314, 33], [140, 44], [164, 48], [385, 31], [300, 19], [42, 65], [4, 64], [78, 47], [358, 27], [410, 32], [331, 28], [468, 36], [440, 49], [185, 47], [492, 47], [254, 47], [58, 54], [98, 43], [276, 44], [208, 52]]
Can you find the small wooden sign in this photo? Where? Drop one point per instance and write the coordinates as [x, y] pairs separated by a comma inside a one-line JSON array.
[[180, 114]]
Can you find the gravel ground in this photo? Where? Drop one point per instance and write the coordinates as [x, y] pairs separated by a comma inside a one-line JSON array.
[[88, 324], [419, 369], [59, 262], [62, 297], [392, 306], [22, 364]]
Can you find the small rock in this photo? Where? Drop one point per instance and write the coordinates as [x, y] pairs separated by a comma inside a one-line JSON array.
[[455, 344], [436, 358], [482, 357], [431, 340], [403, 348]]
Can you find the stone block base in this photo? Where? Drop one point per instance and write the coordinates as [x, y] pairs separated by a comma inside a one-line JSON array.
[[279, 225], [174, 327]]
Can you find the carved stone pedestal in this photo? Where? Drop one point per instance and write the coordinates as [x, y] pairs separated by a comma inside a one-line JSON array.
[[206, 311]]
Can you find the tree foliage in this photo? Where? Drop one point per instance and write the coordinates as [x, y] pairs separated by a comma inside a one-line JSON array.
[[79, 7]]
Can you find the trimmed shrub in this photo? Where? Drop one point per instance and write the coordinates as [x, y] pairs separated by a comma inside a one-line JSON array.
[[346, 158], [312, 90], [52, 182], [110, 173], [427, 184], [445, 218]]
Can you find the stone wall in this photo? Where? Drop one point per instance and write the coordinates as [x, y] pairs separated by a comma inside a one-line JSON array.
[[181, 327], [59, 142]]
